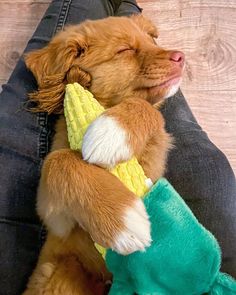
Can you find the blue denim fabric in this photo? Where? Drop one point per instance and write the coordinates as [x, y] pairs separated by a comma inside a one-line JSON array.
[[196, 168]]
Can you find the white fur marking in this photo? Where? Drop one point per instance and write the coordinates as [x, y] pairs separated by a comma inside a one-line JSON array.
[[149, 182], [136, 236], [173, 89], [105, 143]]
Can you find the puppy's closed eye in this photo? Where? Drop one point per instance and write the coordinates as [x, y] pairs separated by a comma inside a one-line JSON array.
[[125, 48]]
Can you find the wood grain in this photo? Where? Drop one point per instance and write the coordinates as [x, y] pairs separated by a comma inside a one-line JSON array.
[[18, 21], [204, 30]]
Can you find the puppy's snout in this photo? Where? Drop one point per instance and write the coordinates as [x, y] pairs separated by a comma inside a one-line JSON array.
[[177, 57]]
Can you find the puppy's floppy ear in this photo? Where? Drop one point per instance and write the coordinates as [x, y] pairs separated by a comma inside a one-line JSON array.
[[36, 61], [56, 65], [145, 24]]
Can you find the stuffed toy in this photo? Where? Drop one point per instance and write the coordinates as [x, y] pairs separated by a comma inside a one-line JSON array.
[[184, 258]]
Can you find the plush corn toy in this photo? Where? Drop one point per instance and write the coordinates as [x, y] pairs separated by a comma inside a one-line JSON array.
[[184, 258]]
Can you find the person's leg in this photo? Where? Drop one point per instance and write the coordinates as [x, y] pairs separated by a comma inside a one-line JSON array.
[[200, 172], [24, 142]]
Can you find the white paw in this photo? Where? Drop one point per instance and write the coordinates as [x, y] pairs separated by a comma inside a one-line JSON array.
[[137, 235], [105, 143]]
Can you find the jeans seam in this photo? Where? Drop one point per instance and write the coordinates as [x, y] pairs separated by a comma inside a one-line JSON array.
[[63, 15], [12, 221], [43, 136], [43, 117]]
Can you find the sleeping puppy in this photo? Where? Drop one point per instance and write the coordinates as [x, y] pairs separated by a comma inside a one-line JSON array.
[[119, 61]]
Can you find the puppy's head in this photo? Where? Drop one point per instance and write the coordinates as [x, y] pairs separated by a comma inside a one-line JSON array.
[[114, 58]]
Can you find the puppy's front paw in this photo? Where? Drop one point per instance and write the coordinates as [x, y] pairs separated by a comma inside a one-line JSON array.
[[106, 143], [137, 233]]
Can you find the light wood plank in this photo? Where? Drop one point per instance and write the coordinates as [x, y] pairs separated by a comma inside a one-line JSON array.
[[216, 113], [18, 20], [29, 2]]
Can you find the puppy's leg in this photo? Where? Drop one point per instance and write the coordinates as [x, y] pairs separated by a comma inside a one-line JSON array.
[[72, 191], [121, 132], [154, 155], [69, 266]]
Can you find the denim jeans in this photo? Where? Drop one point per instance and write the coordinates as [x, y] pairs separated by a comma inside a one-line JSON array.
[[198, 170]]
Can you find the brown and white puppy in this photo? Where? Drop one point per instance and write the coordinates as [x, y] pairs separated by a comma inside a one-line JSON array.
[[119, 61]]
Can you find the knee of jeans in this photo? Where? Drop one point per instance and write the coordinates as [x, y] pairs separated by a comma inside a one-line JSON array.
[[197, 168], [211, 174], [222, 169], [222, 219]]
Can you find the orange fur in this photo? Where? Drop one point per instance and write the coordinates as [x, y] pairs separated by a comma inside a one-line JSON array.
[[66, 267], [118, 60], [146, 131]]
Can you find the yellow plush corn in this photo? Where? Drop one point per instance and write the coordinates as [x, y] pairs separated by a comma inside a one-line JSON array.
[[81, 109]]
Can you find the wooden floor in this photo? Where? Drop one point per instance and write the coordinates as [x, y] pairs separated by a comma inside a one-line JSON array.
[[204, 30]]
